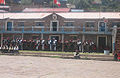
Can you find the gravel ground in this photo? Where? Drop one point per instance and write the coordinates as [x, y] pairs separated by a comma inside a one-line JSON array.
[[44, 67]]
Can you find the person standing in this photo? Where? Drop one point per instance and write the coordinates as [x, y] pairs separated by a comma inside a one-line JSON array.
[[92, 46], [85, 46], [59, 45], [50, 44], [37, 44], [4, 44], [71, 46], [43, 44], [76, 54], [20, 44], [13, 43], [8, 43], [66, 45], [79, 44], [54, 44]]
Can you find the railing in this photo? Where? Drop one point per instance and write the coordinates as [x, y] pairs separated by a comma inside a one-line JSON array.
[[62, 29]]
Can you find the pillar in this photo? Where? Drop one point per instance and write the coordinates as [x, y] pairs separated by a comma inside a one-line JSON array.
[[1, 40], [41, 36], [62, 42], [114, 32], [22, 39], [83, 39]]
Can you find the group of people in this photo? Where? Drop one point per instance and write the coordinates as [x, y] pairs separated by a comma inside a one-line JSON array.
[[49, 45], [78, 45], [36, 44], [11, 44]]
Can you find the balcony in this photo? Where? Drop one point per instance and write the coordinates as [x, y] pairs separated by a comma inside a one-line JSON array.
[[60, 30]]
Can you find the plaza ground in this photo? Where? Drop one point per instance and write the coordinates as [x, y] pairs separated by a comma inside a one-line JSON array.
[[44, 67]]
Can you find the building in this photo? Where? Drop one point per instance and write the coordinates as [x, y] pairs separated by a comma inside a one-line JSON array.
[[4, 8], [95, 26]]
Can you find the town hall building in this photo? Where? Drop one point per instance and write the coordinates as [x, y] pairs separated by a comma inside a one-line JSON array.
[[62, 25]]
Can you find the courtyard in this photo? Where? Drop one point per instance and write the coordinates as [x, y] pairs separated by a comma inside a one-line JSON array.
[[45, 67]]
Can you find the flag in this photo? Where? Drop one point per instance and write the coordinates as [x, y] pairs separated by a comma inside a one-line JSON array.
[[2, 1], [57, 2], [97, 2]]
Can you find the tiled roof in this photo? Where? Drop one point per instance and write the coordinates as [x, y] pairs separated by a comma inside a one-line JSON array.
[[23, 15], [91, 15], [46, 10], [68, 15]]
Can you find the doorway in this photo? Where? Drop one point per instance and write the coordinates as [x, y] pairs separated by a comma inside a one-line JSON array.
[[54, 26], [9, 26], [102, 26], [102, 43]]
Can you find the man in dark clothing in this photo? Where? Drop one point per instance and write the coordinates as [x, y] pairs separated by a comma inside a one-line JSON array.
[[4, 44], [13, 44], [66, 46], [76, 55], [8, 43]]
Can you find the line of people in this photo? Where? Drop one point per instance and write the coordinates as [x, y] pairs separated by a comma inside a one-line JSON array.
[[86, 46], [49, 45], [36, 44]]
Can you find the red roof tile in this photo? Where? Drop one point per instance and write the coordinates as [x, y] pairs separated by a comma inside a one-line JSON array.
[[46, 10]]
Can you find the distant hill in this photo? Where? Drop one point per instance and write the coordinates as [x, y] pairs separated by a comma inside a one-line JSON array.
[[90, 5], [97, 5]]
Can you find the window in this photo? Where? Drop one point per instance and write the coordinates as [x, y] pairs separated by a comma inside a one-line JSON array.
[[102, 24], [116, 24], [9, 26], [21, 24], [68, 23], [90, 24], [39, 23]]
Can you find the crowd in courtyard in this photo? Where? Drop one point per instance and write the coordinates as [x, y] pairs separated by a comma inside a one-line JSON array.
[[49, 45]]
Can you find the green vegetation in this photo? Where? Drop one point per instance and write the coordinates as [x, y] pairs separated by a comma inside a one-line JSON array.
[[45, 52], [61, 52], [26, 2], [55, 56], [97, 5]]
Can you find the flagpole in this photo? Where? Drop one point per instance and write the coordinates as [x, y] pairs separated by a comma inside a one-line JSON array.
[[53, 4]]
